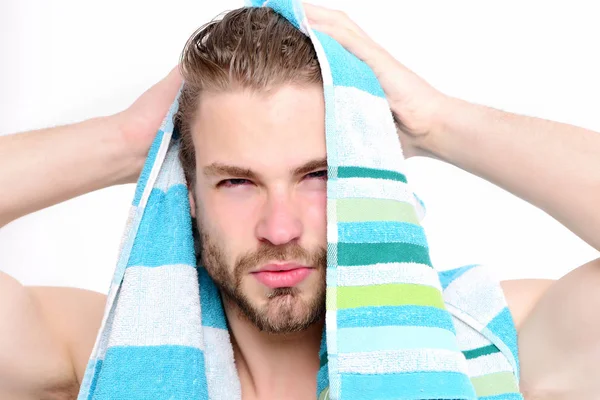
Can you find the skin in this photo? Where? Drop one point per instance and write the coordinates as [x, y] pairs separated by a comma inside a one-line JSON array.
[[259, 204], [48, 333]]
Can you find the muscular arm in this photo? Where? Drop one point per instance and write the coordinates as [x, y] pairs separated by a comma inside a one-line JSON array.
[[45, 167], [46, 338], [42, 168], [559, 334], [554, 166], [33, 358], [47, 334]]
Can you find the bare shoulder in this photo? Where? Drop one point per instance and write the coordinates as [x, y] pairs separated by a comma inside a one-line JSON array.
[[559, 333], [46, 336]]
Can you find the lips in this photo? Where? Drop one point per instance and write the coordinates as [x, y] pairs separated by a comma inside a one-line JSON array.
[[282, 275]]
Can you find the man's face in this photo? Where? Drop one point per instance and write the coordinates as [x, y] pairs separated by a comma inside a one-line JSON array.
[[260, 202]]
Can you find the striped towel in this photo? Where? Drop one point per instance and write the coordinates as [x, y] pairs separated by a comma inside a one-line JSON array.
[[395, 328]]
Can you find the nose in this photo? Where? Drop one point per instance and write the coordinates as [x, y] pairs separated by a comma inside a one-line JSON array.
[[280, 222]]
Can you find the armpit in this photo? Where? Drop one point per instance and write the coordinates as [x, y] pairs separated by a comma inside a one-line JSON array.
[[522, 295]]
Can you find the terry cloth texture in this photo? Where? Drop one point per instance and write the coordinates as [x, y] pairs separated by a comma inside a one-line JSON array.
[[395, 327]]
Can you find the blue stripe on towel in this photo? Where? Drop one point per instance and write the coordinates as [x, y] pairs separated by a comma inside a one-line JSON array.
[[283, 7], [164, 236], [322, 378], [96, 365], [449, 276], [346, 69], [152, 372], [351, 340], [395, 315], [503, 326], [414, 386], [381, 231], [210, 302], [504, 396]]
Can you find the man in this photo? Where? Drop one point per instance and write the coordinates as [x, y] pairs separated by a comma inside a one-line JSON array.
[[257, 188]]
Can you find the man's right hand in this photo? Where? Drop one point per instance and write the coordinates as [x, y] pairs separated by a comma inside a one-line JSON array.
[[139, 123], [41, 168], [47, 334]]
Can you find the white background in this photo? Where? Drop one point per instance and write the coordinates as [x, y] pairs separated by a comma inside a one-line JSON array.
[[64, 61]]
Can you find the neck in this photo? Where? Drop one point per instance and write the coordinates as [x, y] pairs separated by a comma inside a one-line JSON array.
[[274, 366]]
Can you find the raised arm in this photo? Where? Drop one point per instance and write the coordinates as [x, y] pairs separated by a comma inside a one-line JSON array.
[[554, 166], [46, 334], [45, 167]]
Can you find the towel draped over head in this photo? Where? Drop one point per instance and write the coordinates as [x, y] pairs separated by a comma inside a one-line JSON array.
[[395, 327]]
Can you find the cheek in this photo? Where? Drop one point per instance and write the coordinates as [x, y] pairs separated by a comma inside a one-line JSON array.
[[234, 209], [231, 217], [215, 246], [316, 214]]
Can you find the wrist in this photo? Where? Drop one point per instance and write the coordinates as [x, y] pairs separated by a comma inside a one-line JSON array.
[[125, 154], [435, 144]]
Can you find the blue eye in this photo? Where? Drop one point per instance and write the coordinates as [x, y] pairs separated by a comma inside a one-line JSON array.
[[318, 174], [233, 182]]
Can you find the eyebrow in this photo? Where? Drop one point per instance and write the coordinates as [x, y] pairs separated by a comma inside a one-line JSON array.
[[218, 169], [311, 166]]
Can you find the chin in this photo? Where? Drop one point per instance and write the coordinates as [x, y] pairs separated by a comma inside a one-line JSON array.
[[287, 310]]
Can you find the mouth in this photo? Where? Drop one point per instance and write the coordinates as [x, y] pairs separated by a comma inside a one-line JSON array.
[[282, 275]]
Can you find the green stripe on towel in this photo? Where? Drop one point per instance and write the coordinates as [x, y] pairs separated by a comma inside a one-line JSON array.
[[365, 210], [394, 294], [495, 384], [363, 172], [373, 253], [480, 351]]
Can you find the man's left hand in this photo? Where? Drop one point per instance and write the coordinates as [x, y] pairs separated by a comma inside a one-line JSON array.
[[414, 103]]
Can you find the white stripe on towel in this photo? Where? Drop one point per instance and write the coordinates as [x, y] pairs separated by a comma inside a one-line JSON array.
[[406, 360], [147, 313]]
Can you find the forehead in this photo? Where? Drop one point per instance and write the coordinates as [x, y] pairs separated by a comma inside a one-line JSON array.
[[257, 129]]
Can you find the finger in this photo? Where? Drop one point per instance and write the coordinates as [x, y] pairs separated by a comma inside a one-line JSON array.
[[348, 39], [318, 15], [155, 102], [361, 46], [173, 80]]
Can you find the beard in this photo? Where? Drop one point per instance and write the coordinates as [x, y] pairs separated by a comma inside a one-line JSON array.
[[286, 310]]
